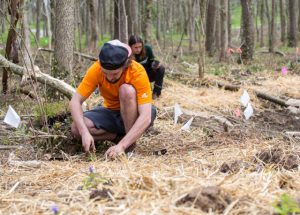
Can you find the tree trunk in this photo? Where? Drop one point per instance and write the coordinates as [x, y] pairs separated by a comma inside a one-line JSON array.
[[229, 22], [191, 23], [210, 27], [217, 27], [298, 18], [158, 24], [272, 28], [256, 20], [292, 39], [148, 20], [93, 26], [262, 23], [3, 8], [123, 22], [64, 38], [11, 50], [247, 31], [51, 20], [282, 21], [25, 45], [130, 18], [116, 20], [224, 28], [38, 18]]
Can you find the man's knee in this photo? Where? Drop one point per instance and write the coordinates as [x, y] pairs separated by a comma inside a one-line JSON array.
[[89, 124], [127, 92]]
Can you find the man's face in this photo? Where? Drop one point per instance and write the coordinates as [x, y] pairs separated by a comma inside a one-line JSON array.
[[113, 76], [137, 48]]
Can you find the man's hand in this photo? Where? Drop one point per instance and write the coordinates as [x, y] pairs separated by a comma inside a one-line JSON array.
[[114, 151], [88, 142]]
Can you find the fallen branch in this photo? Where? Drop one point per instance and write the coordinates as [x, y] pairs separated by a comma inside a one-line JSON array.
[[89, 57], [275, 52], [4, 147], [37, 75], [271, 98], [228, 86]]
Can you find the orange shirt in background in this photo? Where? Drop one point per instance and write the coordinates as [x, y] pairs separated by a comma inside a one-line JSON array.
[[134, 75]]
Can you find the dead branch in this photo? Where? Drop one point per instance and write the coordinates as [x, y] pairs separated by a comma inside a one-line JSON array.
[[89, 57], [37, 75], [275, 52], [271, 98]]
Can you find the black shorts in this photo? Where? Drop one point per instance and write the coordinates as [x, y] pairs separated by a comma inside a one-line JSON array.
[[110, 120]]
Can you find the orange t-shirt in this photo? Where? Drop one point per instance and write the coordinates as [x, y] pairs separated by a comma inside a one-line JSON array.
[[134, 75]]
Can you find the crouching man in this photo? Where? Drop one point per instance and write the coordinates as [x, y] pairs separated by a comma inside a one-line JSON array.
[[126, 112]]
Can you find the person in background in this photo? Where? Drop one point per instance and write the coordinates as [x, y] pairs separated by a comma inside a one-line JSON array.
[[143, 54], [126, 112]]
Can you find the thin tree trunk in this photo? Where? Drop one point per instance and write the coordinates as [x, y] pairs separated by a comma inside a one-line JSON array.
[[11, 50], [123, 22], [298, 19], [272, 28], [93, 26], [218, 27], [256, 20], [292, 39], [262, 22], [158, 21], [210, 27], [224, 28], [116, 20], [282, 21], [38, 18], [3, 8], [191, 5], [148, 20], [229, 23], [247, 32]]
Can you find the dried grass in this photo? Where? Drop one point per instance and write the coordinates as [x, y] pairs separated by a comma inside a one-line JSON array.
[[149, 184]]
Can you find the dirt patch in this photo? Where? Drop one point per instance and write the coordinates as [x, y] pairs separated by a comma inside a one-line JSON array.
[[278, 156], [101, 194], [233, 166], [206, 198], [281, 120]]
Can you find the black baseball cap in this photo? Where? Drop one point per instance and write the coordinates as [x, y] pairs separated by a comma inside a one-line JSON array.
[[114, 54]]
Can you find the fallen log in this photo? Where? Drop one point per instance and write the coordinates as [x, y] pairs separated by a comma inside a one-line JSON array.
[[37, 75], [86, 56], [271, 98]]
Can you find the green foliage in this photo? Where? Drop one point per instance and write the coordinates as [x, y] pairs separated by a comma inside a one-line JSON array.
[[286, 205], [52, 109], [236, 14], [93, 179]]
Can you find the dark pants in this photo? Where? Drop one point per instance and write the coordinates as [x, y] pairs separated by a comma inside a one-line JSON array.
[[158, 77]]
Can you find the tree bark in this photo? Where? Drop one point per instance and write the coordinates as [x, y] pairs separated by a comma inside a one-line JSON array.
[[217, 27], [93, 26], [191, 23], [3, 8], [292, 39], [158, 23], [64, 38], [116, 20], [272, 29], [229, 22], [38, 18], [282, 21], [247, 32], [210, 27], [11, 50], [262, 22], [123, 22], [224, 29], [148, 20]]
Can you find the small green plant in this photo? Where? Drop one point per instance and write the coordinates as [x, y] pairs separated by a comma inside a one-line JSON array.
[[286, 205], [93, 179]]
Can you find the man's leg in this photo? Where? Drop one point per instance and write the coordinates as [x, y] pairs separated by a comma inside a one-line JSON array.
[[98, 134], [128, 105]]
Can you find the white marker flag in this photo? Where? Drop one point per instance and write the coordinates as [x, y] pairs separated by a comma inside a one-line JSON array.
[[245, 99], [12, 118], [177, 112], [248, 111], [187, 125]]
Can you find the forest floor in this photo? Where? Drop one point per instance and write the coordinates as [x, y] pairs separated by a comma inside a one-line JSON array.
[[213, 168]]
